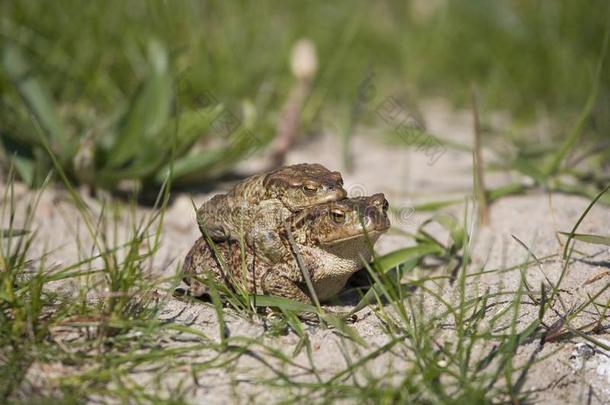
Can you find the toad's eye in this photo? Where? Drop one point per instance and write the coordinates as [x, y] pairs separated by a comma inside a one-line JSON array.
[[338, 216], [310, 188], [385, 205]]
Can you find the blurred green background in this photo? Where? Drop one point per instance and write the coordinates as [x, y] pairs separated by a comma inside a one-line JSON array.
[[124, 90]]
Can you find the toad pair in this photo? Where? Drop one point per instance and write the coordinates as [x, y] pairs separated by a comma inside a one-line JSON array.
[[260, 230]]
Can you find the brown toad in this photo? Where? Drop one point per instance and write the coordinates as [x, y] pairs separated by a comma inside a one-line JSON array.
[[332, 239], [260, 203]]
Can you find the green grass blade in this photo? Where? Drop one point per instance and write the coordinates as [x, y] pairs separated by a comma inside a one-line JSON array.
[[26, 169], [511, 189], [393, 276], [283, 303], [589, 238], [38, 101], [9, 233], [582, 217], [148, 113], [435, 205], [203, 165], [528, 168], [192, 124], [397, 257], [577, 129], [343, 328], [456, 231]]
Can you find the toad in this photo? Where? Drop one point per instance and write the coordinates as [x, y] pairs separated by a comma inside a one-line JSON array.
[[260, 203], [332, 239]]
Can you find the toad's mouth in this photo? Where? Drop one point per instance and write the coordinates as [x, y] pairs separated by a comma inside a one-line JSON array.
[[371, 233], [336, 194]]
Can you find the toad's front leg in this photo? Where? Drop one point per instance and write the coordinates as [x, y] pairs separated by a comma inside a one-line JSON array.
[[267, 244], [274, 283]]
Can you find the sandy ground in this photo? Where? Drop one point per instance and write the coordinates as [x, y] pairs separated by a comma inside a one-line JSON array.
[[574, 373]]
